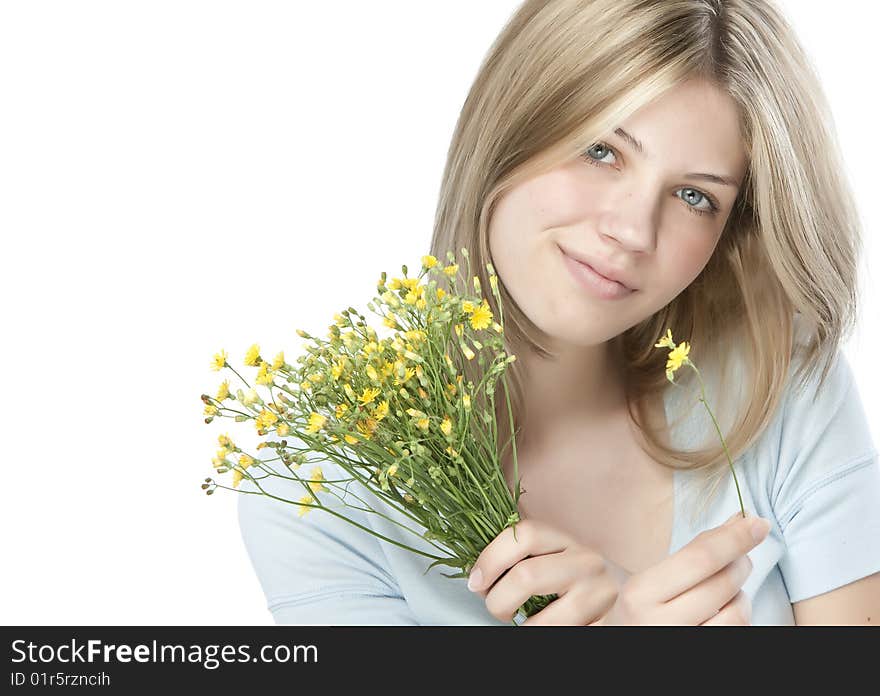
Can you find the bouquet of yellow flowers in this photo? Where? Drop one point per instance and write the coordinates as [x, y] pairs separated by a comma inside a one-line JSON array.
[[395, 414]]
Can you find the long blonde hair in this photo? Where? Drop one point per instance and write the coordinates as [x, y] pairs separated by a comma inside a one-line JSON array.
[[561, 74]]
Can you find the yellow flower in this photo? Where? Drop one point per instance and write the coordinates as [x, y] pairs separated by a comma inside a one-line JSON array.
[[390, 321], [429, 261], [336, 369], [481, 317], [394, 284], [265, 419], [349, 392], [307, 499], [264, 375], [381, 410], [407, 375], [466, 400], [278, 363], [678, 354], [210, 410], [226, 441], [223, 391], [372, 374], [676, 357], [252, 356], [468, 306], [219, 361], [316, 422], [249, 397], [283, 429], [367, 427], [392, 470], [468, 353], [446, 425], [245, 461], [451, 270], [236, 477], [316, 478], [423, 424], [351, 439], [666, 341], [369, 394]]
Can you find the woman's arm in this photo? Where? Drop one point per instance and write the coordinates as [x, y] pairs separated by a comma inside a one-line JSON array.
[[855, 604], [318, 569]]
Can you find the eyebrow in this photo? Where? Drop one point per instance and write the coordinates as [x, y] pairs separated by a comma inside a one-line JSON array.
[[715, 178]]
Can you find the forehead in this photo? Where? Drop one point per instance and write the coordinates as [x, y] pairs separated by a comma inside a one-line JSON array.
[[694, 125]]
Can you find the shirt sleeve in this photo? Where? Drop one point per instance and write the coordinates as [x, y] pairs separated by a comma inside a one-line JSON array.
[[826, 492], [317, 569]]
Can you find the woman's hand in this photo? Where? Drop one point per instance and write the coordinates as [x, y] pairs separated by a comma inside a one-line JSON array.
[[697, 586], [543, 560]]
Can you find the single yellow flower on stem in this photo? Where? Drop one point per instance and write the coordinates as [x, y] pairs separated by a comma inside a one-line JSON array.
[[219, 361], [678, 356], [252, 357], [481, 316], [305, 504], [316, 422]]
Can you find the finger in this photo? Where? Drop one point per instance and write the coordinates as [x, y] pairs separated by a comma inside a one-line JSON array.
[[702, 601], [533, 538], [707, 554], [583, 605], [737, 612], [540, 575]]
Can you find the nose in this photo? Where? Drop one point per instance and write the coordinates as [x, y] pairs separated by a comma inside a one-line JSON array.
[[631, 223]]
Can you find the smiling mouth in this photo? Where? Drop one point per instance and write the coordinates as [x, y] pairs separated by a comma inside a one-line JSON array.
[[594, 282]]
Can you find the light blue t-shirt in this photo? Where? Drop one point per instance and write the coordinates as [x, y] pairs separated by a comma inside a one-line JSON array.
[[814, 473]]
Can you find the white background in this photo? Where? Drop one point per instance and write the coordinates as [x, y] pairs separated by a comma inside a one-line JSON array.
[[181, 177]]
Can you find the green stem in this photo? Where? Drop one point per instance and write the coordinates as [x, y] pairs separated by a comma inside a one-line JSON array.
[[239, 376], [343, 517], [718, 430]]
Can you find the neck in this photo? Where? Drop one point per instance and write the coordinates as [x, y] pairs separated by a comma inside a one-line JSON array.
[[573, 389]]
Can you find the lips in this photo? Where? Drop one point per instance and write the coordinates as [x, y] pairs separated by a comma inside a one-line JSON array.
[[600, 267]]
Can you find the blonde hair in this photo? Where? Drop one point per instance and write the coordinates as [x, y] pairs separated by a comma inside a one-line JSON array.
[[561, 74]]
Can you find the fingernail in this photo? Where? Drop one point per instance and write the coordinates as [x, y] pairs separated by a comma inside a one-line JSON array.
[[733, 518], [759, 528], [474, 580]]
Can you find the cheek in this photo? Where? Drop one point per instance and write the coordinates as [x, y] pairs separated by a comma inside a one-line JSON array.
[[683, 263]]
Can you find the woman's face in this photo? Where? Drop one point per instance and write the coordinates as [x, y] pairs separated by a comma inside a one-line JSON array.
[[638, 214]]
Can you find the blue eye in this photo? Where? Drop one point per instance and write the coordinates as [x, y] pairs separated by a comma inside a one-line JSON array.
[[713, 204]]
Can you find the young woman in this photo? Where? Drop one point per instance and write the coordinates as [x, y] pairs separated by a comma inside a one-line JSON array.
[[684, 149]]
